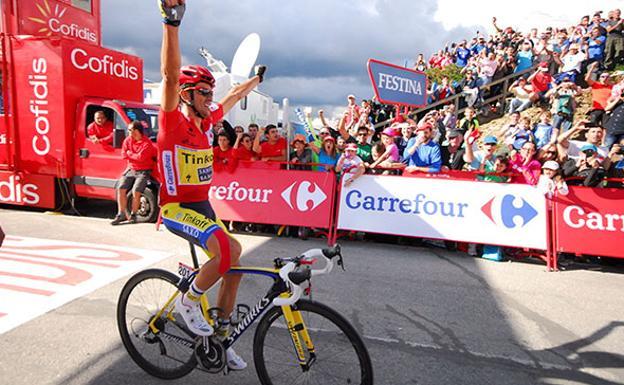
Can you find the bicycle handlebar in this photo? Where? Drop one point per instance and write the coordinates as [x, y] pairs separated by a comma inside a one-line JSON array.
[[307, 258]]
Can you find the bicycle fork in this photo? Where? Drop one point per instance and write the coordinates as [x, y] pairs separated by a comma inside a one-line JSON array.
[[299, 332]]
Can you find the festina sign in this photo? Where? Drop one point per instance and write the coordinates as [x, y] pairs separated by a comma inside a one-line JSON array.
[[397, 85]]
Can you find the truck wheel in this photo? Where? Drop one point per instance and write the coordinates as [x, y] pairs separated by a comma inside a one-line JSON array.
[[148, 209]]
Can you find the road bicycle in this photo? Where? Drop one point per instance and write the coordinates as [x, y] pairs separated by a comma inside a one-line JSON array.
[[296, 341]]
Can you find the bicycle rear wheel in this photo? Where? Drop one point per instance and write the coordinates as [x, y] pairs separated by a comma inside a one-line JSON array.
[[169, 353], [341, 357]]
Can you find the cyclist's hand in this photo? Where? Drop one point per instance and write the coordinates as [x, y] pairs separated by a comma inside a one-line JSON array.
[[260, 70], [172, 11]]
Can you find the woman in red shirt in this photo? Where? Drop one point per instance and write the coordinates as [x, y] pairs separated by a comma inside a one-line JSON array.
[[243, 149]]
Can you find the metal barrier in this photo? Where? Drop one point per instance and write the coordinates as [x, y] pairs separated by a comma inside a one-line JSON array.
[[449, 206]]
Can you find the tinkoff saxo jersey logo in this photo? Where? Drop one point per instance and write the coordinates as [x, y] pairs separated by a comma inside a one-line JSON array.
[[194, 166], [505, 211], [51, 23]]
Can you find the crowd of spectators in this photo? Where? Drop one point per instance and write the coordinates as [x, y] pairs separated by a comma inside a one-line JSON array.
[[559, 65], [544, 141]]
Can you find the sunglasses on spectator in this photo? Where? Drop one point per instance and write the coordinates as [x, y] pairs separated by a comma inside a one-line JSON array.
[[361, 134], [323, 133], [589, 152], [551, 152]]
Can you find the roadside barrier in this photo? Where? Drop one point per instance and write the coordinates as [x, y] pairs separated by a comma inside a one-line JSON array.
[[450, 206]]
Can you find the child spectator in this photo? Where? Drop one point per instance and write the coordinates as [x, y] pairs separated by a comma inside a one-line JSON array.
[[550, 182], [499, 166], [391, 152], [449, 118], [376, 151], [470, 123], [350, 164], [523, 134], [544, 132]]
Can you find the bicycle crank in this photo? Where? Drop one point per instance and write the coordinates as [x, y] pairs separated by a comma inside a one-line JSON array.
[[210, 354]]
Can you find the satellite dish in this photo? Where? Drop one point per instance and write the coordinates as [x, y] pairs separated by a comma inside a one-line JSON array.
[[245, 56]]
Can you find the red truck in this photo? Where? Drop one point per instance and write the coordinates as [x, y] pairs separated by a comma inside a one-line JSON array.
[[55, 76]]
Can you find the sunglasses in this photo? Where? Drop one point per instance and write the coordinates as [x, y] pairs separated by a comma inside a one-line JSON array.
[[361, 134], [204, 91], [589, 152], [551, 152], [323, 133]]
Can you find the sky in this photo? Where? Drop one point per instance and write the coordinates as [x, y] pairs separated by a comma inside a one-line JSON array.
[[316, 51]]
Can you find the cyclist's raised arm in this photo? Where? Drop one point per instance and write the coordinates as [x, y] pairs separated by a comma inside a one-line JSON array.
[[172, 11], [240, 91]]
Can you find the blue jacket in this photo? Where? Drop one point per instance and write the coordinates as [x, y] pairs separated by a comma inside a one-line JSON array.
[[426, 155]]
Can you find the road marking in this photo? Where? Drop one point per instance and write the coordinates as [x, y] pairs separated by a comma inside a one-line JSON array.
[[39, 275]]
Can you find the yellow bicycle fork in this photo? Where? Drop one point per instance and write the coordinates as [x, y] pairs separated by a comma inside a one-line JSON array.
[[298, 331]]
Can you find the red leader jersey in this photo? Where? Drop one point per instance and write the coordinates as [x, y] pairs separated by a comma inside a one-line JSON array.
[[185, 156]]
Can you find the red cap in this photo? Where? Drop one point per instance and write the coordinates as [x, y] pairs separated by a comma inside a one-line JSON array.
[[424, 126]]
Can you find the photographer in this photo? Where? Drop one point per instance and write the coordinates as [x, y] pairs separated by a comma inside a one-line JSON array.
[[587, 168]]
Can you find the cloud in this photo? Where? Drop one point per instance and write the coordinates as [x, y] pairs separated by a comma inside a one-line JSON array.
[[316, 51]]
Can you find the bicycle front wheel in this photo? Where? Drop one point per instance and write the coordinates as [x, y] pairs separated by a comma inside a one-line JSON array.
[[340, 356], [167, 353]]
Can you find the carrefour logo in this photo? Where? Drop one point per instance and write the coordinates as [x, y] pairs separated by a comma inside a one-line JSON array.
[[52, 23], [304, 197], [509, 211]]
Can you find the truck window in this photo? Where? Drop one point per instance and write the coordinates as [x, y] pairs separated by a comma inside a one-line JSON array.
[[92, 111], [147, 116]]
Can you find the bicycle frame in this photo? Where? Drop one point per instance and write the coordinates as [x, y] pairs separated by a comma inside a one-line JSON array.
[[294, 320]]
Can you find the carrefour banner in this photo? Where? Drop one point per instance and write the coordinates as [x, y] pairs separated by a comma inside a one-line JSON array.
[[479, 212], [593, 214], [397, 85], [274, 196]]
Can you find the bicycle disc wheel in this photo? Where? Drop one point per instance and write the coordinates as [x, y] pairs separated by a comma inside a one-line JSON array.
[[169, 353], [341, 357]]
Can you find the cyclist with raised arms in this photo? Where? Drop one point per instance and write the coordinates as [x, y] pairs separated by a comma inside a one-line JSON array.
[[185, 156]]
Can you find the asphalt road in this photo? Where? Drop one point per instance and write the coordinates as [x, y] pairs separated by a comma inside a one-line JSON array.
[[428, 316]]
